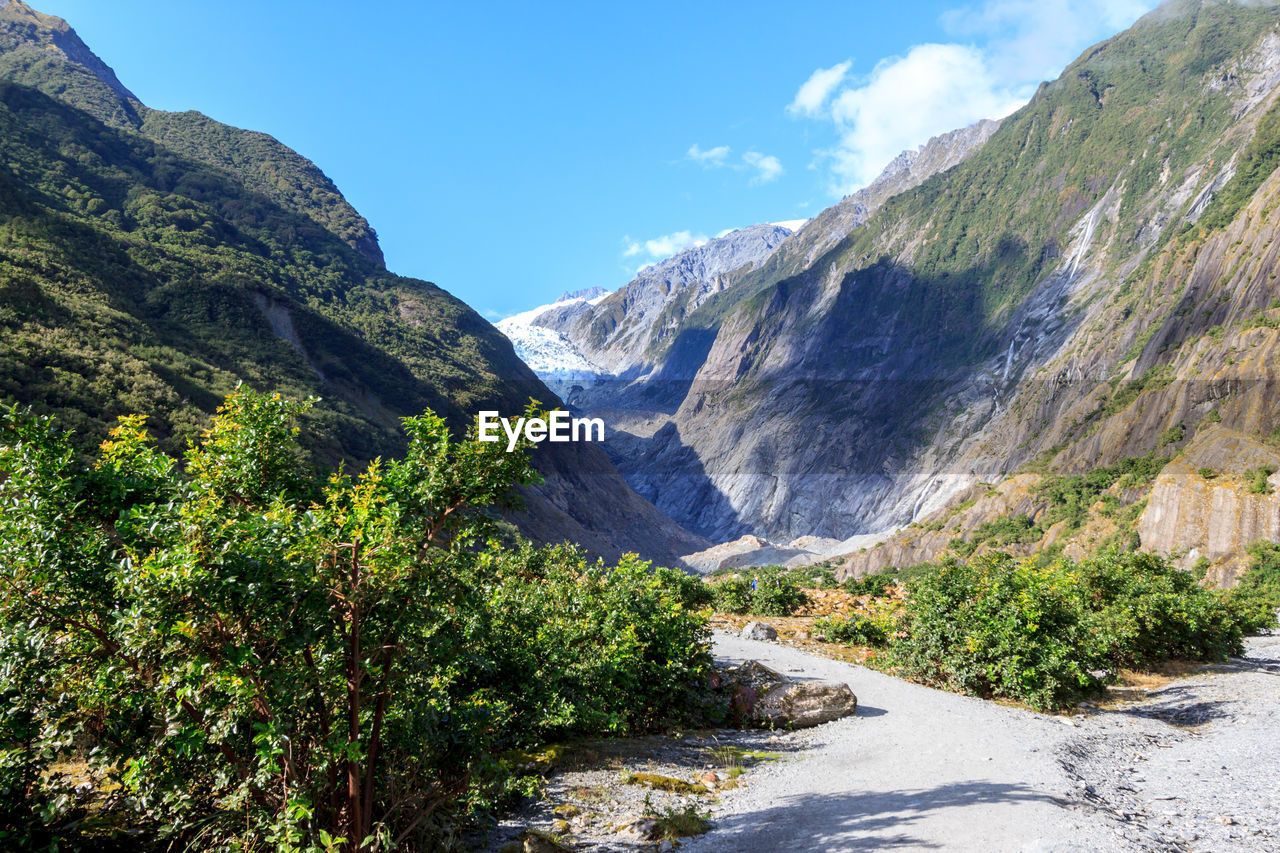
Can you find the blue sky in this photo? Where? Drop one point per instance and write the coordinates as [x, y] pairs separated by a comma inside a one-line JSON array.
[[512, 151]]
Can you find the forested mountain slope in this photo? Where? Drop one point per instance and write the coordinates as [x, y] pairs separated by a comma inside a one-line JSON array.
[[151, 261]]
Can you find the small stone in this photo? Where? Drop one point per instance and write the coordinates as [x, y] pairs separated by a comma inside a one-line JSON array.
[[709, 779], [559, 827], [644, 829], [1225, 820]]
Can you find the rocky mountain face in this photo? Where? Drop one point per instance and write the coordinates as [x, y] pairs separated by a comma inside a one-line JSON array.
[[625, 333], [150, 261], [634, 355], [1009, 353]]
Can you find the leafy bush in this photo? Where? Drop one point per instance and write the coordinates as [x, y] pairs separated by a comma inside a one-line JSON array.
[[766, 591], [1256, 597], [1144, 611], [265, 658], [999, 628], [1258, 479], [1016, 629], [876, 585], [575, 647], [775, 595], [856, 631], [733, 595], [1173, 435]]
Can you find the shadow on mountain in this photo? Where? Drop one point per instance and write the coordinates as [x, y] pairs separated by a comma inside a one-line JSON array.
[[671, 476], [861, 820]]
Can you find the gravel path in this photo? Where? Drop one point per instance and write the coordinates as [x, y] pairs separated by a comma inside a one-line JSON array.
[[1195, 766]]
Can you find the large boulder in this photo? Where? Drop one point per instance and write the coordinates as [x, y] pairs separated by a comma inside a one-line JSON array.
[[802, 704], [759, 631], [766, 697]]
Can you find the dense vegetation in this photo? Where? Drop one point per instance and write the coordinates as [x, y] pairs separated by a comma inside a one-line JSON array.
[[765, 590], [137, 278], [1257, 595], [263, 656], [1045, 635]]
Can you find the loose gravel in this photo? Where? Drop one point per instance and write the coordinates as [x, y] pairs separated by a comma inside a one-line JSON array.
[[1191, 766]]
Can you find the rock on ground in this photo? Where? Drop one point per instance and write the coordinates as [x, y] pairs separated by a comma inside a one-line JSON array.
[[759, 631]]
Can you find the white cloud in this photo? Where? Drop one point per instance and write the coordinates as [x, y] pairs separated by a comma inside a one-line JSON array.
[[659, 248], [768, 168], [815, 91], [1033, 40], [1012, 45], [711, 158], [907, 100], [765, 166]]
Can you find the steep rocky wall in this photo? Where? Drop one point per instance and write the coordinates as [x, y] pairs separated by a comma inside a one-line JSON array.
[[1190, 515]]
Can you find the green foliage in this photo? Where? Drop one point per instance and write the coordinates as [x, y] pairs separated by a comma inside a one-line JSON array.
[[675, 822], [776, 595], [259, 653], [1173, 435], [1207, 473], [999, 628], [1261, 157], [732, 595], [1257, 594], [1071, 496], [1005, 530], [1035, 633], [876, 585], [1258, 479], [1144, 611], [763, 591], [856, 631]]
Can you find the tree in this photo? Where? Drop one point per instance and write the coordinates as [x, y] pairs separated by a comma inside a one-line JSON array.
[[263, 657]]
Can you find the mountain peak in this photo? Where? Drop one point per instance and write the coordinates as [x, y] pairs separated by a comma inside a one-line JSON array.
[[587, 293], [20, 26]]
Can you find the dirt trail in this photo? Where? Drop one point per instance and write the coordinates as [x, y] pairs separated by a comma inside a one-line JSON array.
[[1195, 766]]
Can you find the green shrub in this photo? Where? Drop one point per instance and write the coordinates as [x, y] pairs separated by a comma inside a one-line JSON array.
[[765, 591], [877, 585], [203, 623], [1256, 597], [1207, 473], [857, 631], [1144, 611], [1034, 633], [776, 595], [1173, 435], [999, 628], [732, 595], [1258, 479]]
